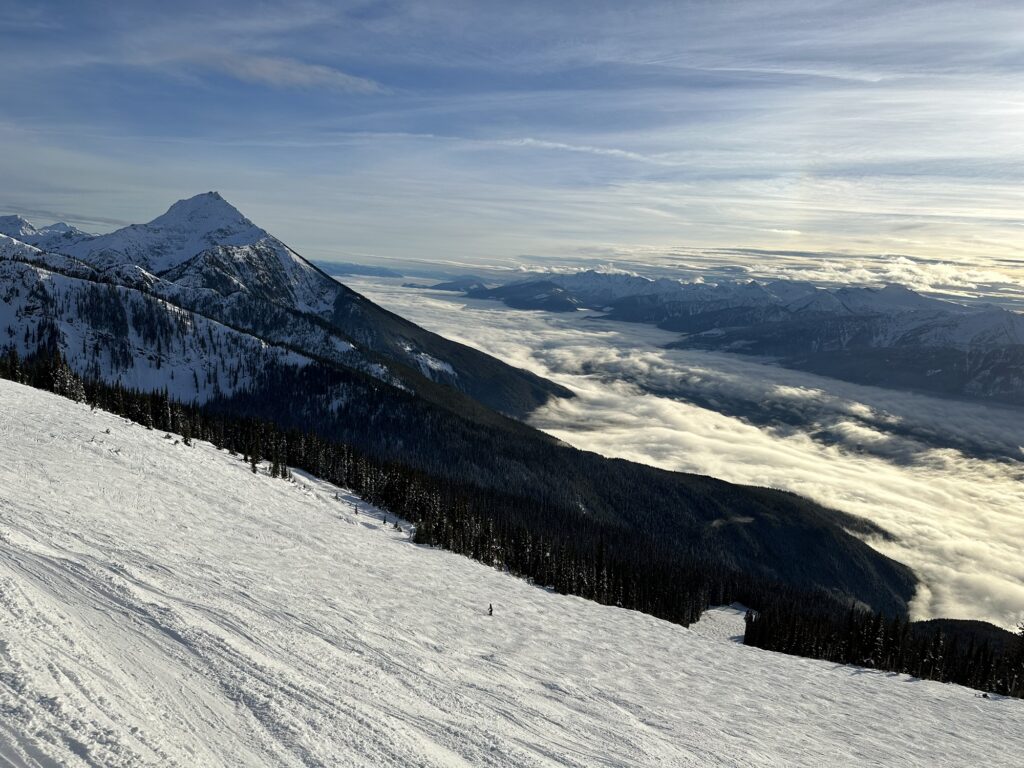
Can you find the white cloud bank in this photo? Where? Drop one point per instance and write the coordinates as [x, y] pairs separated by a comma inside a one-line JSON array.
[[957, 519]]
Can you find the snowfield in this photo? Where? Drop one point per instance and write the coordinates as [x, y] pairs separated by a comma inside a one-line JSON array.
[[161, 605]]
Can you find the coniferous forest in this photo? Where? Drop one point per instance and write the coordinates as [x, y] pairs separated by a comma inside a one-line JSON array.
[[533, 536]]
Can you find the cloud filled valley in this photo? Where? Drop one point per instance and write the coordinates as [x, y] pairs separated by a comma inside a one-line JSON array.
[[943, 477]]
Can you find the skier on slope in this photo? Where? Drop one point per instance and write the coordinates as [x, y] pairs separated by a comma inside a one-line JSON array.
[[490, 609]]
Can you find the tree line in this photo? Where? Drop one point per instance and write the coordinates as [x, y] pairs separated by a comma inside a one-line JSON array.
[[947, 652]]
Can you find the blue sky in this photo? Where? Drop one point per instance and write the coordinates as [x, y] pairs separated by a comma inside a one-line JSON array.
[[518, 132]]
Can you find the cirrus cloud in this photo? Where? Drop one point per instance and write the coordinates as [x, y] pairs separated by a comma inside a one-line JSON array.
[[280, 72]]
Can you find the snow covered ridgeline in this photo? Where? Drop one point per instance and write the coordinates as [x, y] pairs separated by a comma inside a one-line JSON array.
[[204, 257], [162, 605]]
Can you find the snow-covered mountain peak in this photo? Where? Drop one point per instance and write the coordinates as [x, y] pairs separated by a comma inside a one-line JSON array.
[[61, 228], [189, 227], [50, 238], [17, 227], [208, 212]]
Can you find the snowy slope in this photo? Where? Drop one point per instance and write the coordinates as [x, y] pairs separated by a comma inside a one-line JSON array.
[[161, 605], [11, 248]]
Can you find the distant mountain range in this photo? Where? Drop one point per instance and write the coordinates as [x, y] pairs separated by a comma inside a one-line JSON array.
[[52, 237], [889, 336]]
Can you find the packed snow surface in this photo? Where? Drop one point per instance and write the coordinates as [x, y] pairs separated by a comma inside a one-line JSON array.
[[162, 605]]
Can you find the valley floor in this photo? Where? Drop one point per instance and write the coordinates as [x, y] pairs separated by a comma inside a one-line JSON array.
[[161, 605]]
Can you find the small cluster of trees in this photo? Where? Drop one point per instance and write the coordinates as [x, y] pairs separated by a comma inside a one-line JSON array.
[[556, 547], [944, 650]]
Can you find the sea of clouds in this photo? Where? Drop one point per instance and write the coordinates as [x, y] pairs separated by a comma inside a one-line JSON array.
[[968, 279], [945, 478]]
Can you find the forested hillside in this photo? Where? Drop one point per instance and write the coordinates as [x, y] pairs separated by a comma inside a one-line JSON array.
[[612, 561]]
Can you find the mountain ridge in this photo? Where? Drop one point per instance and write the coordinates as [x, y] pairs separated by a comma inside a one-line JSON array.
[[885, 336], [204, 255]]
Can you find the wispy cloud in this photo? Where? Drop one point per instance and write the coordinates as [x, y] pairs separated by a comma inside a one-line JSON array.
[[583, 148], [25, 18], [291, 73]]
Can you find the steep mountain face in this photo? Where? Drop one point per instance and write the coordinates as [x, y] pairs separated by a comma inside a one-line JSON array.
[[121, 334], [188, 228], [264, 270], [888, 336], [204, 256]]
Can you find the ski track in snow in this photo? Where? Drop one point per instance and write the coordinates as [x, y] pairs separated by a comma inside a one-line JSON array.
[[161, 605]]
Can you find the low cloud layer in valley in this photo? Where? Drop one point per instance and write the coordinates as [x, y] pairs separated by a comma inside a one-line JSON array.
[[944, 477]]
